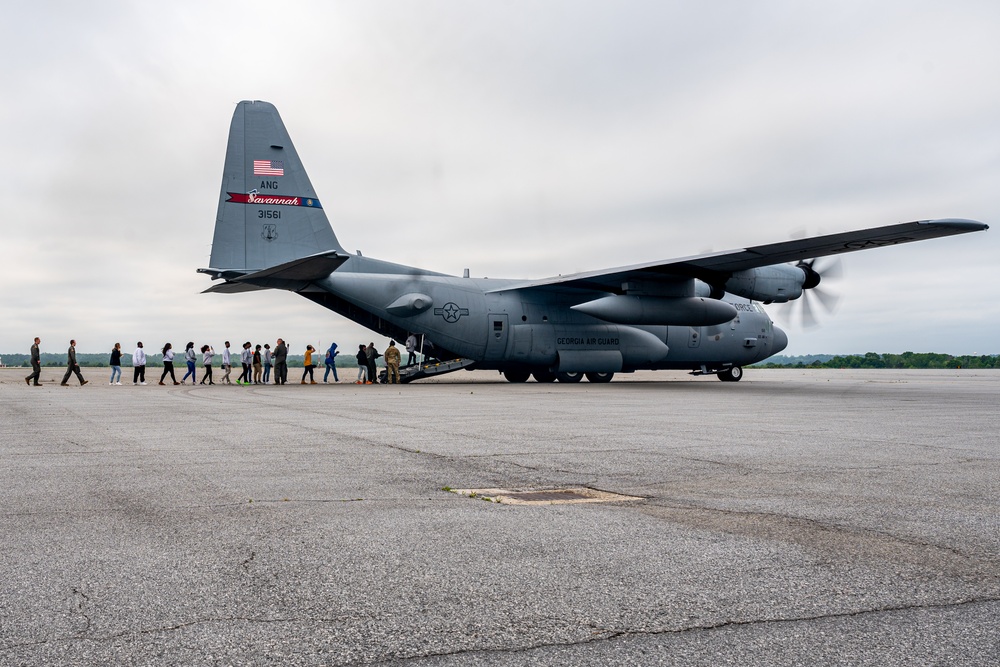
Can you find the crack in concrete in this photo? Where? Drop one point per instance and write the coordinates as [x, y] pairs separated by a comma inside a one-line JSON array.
[[77, 603], [599, 633], [608, 634]]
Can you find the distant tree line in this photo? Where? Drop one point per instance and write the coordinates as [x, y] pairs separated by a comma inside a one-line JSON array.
[[58, 359], [875, 360]]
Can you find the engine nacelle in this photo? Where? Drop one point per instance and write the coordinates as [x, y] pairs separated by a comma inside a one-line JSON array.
[[778, 284]]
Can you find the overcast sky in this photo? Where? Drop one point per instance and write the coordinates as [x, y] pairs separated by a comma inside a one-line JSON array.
[[518, 139]]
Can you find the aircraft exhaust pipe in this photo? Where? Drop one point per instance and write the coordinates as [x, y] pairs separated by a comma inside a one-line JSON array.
[[684, 311]]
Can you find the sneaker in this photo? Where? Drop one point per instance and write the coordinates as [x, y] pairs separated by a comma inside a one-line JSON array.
[[118, 383], [111, 383]]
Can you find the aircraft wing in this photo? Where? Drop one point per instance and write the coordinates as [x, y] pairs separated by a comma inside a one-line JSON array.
[[717, 267]]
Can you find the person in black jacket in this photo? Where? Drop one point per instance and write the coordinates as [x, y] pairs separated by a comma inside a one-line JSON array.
[[362, 358], [116, 364], [372, 355]]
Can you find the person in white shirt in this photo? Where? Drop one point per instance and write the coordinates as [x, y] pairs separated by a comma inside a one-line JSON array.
[[207, 353], [411, 349], [139, 365], [246, 358], [227, 364], [267, 362], [168, 363]]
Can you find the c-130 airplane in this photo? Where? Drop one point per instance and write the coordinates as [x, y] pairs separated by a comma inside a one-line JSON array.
[[701, 313]]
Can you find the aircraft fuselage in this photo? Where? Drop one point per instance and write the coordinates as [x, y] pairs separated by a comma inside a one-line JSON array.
[[476, 318]]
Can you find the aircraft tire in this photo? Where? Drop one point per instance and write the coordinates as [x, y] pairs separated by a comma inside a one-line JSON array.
[[544, 376], [569, 377], [599, 377], [516, 376], [733, 374]]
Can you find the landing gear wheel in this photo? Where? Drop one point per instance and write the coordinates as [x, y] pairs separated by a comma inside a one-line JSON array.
[[516, 376], [544, 376], [733, 374], [599, 377], [569, 377]]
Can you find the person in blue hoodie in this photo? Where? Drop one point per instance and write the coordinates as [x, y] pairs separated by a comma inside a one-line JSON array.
[[331, 362]]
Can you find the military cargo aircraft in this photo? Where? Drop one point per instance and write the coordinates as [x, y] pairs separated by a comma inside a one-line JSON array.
[[701, 313]]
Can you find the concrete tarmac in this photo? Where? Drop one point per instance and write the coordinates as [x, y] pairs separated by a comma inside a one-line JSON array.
[[794, 518]]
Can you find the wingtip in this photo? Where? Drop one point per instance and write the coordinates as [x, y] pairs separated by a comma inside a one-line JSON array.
[[958, 224]]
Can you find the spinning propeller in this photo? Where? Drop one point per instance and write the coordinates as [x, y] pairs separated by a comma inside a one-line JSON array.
[[803, 311]]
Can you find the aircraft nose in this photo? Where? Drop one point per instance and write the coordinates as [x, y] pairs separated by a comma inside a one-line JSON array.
[[779, 341]]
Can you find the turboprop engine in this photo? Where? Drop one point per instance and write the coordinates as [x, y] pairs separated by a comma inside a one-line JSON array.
[[777, 284]]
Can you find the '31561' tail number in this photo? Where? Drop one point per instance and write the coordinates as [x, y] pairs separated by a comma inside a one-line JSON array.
[[269, 215]]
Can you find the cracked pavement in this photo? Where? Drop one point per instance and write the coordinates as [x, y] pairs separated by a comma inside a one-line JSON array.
[[796, 517]]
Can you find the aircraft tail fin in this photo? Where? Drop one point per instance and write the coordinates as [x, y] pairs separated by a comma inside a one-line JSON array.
[[268, 211]]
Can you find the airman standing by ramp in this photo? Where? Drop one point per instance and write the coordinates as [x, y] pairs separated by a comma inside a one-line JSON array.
[[392, 358]]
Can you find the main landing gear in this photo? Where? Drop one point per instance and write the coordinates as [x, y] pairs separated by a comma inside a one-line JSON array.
[[731, 374], [519, 375]]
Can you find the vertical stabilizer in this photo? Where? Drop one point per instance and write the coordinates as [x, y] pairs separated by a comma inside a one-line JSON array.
[[268, 211]]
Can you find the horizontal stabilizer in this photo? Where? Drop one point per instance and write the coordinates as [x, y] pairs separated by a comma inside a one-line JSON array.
[[231, 288], [293, 275]]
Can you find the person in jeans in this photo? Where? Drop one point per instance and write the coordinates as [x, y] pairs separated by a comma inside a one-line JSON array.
[[191, 358], [116, 364], [331, 363], [267, 362], [362, 357]]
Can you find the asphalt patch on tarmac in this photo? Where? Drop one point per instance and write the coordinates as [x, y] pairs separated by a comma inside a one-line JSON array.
[[564, 496]]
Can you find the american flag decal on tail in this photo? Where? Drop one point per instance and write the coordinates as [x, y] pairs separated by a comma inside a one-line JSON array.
[[268, 168]]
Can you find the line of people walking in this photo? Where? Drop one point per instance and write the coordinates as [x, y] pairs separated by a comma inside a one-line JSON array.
[[258, 362]]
